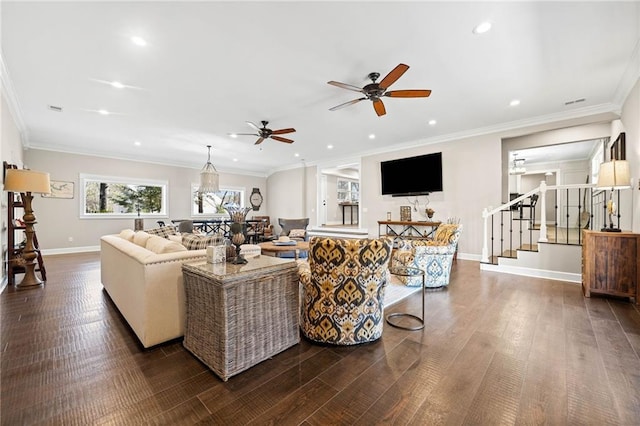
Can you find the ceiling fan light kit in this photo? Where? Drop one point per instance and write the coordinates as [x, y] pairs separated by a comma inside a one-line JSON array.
[[374, 90]]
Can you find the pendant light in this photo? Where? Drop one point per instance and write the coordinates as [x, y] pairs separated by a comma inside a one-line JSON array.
[[209, 178]]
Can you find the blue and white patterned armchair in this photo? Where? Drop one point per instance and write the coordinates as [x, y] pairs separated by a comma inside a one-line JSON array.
[[435, 257]]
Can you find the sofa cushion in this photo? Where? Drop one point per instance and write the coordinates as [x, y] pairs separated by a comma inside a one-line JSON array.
[[161, 245], [162, 231], [198, 242], [140, 238], [127, 234]]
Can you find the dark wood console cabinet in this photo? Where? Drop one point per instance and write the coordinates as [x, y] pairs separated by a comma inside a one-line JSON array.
[[610, 263]]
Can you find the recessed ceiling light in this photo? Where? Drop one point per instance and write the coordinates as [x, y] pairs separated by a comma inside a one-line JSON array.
[[117, 85], [372, 136], [296, 155], [138, 41], [482, 28], [233, 135], [103, 112], [137, 143], [514, 102], [329, 146], [235, 159], [432, 122]]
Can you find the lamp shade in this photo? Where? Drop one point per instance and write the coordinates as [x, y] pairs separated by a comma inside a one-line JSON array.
[[209, 178], [19, 180], [614, 175]]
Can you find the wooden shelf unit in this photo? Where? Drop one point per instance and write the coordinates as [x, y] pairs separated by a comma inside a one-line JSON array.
[[13, 255], [611, 264], [404, 230]]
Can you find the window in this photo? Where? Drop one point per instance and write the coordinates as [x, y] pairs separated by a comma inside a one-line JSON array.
[[348, 191], [109, 196], [212, 204]]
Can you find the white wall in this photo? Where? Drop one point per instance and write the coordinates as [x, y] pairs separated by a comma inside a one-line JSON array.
[[631, 121], [58, 219], [293, 195], [11, 152], [471, 181]]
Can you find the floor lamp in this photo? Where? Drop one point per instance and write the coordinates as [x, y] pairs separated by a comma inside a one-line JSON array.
[[26, 182], [613, 175]]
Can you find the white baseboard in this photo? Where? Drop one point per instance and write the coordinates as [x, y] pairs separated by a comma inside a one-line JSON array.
[[530, 272], [70, 250]]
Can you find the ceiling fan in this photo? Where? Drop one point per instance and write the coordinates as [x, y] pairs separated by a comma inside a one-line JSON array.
[[374, 91], [264, 133]]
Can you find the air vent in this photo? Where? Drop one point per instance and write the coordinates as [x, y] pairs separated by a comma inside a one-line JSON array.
[[575, 101], [55, 108]]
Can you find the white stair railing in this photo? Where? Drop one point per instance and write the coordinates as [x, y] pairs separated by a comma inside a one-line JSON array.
[[571, 189]]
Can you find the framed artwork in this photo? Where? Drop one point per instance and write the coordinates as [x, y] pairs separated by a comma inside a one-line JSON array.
[[60, 189], [618, 149], [405, 213]]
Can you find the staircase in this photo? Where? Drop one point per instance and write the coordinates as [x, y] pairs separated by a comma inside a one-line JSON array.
[[520, 241]]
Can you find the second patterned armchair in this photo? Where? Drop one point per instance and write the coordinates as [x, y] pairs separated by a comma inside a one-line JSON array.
[[434, 257], [343, 287]]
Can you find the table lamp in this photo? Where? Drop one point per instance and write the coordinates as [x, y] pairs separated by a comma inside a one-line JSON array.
[[613, 175], [26, 182]]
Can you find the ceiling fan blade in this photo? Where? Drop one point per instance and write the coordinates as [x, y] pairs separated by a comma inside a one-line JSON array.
[[245, 134], [283, 131], [346, 104], [395, 74], [259, 141], [281, 139], [345, 86], [253, 125], [408, 93], [379, 107]]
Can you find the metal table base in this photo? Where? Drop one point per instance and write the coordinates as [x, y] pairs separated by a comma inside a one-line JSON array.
[[408, 271]]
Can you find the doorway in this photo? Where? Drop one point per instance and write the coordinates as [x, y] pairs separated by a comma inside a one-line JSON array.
[[339, 195]]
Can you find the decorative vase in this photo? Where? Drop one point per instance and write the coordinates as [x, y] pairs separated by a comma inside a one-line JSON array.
[[237, 214], [237, 230]]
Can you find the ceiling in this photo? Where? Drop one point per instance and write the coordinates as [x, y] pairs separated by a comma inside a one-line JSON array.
[[574, 151], [208, 67]]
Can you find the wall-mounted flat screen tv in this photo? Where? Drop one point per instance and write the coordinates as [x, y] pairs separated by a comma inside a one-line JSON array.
[[419, 175]]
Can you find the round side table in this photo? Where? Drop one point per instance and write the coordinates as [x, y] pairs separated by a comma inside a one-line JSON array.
[[408, 271]]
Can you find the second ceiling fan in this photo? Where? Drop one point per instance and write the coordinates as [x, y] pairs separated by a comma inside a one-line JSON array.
[[264, 133], [374, 91]]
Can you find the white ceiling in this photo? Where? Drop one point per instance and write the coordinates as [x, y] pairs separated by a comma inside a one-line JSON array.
[[211, 66]]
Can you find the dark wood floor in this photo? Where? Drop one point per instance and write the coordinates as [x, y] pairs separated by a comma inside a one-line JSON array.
[[497, 350]]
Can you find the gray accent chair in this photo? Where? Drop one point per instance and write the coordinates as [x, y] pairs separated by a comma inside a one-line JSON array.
[[287, 225]]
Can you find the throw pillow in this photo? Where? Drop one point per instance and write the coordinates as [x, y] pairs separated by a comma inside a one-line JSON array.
[[198, 242], [445, 233], [162, 231], [175, 238], [297, 233]]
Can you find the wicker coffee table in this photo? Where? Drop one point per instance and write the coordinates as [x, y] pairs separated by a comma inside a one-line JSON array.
[[240, 315]]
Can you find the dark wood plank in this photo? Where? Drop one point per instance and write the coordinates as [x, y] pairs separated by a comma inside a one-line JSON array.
[[496, 349]]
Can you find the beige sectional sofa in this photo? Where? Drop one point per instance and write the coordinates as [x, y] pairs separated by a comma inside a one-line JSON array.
[[142, 274]]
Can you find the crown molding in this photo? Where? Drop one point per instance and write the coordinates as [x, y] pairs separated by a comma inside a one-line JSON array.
[[12, 101], [503, 129]]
